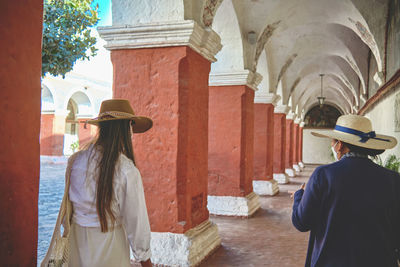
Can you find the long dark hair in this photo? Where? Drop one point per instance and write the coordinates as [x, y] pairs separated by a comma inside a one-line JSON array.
[[114, 138]]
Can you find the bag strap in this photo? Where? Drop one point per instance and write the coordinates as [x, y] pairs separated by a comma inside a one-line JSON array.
[[67, 207], [65, 212]]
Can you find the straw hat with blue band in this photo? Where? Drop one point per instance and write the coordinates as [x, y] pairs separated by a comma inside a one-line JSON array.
[[120, 109], [357, 130]]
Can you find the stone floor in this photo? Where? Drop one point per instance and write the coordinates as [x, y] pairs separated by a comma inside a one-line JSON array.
[[266, 239]]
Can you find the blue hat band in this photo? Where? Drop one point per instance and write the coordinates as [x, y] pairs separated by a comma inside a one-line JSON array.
[[364, 136]]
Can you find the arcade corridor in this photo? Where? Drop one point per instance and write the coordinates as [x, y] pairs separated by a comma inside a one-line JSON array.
[[234, 88]]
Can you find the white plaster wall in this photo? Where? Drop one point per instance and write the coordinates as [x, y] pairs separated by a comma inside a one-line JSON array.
[[226, 25], [133, 12], [316, 150], [262, 68], [382, 116]]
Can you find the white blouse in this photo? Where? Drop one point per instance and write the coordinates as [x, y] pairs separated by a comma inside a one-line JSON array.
[[128, 204]]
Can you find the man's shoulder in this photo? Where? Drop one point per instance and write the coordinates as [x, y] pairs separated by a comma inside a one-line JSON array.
[[329, 167]]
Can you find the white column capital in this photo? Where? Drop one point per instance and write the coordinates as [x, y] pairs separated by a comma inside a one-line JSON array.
[[268, 98], [302, 124], [244, 77], [163, 34], [290, 116], [297, 120], [281, 109]]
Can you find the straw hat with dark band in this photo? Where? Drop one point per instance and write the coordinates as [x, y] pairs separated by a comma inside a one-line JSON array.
[[357, 130], [120, 109]]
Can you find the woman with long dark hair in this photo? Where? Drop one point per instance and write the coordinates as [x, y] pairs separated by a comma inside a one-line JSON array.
[[109, 210]]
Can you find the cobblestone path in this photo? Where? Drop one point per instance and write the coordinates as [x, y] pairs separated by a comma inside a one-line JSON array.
[[51, 191]]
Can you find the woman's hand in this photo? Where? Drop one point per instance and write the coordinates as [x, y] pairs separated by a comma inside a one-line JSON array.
[[303, 186]]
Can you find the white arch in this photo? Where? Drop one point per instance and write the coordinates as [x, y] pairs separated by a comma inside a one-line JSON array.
[[262, 68], [327, 12], [307, 53], [279, 91], [332, 96], [334, 77], [230, 58], [47, 99], [84, 101]]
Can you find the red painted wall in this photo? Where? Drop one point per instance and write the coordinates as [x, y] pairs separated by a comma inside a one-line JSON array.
[[295, 143], [46, 134], [231, 140], [52, 130], [170, 85], [20, 58], [85, 134], [300, 144], [263, 141], [279, 142], [289, 144]]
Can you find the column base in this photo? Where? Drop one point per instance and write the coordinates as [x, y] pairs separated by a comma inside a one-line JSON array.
[[265, 188], [301, 164], [296, 168], [188, 249], [281, 178], [233, 206], [290, 172]]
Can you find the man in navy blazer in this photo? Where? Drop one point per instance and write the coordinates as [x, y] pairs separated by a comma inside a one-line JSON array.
[[352, 206]]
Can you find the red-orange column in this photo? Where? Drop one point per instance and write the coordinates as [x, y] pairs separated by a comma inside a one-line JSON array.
[[231, 148], [170, 85], [52, 131], [86, 133], [263, 183], [301, 164], [279, 148], [289, 148], [46, 134], [296, 166], [20, 129]]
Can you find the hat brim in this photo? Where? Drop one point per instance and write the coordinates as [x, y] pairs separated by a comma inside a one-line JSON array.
[[141, 124], [355, 140]]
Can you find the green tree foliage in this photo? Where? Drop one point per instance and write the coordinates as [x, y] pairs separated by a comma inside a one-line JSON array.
[[393, 163], [67, 34]]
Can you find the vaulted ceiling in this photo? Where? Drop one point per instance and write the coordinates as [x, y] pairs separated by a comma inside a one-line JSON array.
[[291, 42]]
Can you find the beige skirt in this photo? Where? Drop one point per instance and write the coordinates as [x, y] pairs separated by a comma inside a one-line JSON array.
[[90, 247]]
